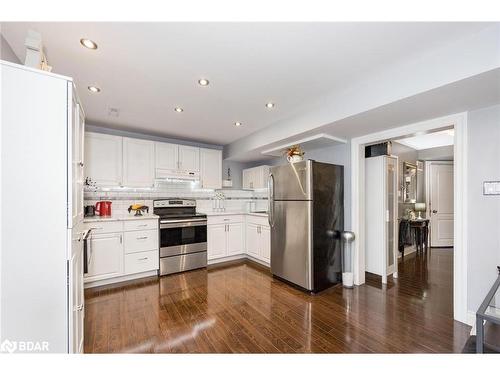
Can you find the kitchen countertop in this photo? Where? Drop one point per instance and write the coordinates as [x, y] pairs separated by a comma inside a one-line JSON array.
[[225, 213], [94, 219]]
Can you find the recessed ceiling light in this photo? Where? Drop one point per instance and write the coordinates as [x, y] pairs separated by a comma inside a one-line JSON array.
[[270, 105], [94, 89], [90, 44], [237, 123], [203, 82], [178, 109]]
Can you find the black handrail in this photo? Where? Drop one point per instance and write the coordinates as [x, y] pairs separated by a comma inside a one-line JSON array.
[[481, 315]]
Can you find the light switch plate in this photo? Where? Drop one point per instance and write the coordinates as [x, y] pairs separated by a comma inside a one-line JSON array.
[[491, 188]]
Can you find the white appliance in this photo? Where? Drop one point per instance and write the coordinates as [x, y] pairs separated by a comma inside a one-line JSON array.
[[381, 206], [41, 290]]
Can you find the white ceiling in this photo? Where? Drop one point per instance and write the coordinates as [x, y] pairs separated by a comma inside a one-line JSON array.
[[430, 140], [147, 69]]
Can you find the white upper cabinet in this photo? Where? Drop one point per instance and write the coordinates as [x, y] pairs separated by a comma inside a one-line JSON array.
[[138, 162], [103, 163], [210, 168], [189, 158], [166, 156], [255, 178]]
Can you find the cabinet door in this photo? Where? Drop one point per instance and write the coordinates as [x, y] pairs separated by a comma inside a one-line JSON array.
[[138, 162], [76, 304], [265, 244], [216, 241], [262, 174], [103, 159], [235, 239], [189, 158], [247, 178], [74, 157], [211, 168], [252, 240], [166, 156], [106, 256], [81, 163]]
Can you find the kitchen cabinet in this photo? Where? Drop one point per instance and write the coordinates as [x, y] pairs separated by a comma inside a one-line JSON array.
[[106, 259], [256, 177], [216, 241], [103, 159], [76, 300], [138, 162], [210, 168], [189, 158], [235, 239], [120, 249], [76, 130], [176, 161], [258, 239], [225, 236], [166, 157]]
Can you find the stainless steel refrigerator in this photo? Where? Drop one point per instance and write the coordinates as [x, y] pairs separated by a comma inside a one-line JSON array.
[[306, 215]]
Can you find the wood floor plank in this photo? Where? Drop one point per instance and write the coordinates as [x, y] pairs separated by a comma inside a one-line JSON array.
[[240, 308]]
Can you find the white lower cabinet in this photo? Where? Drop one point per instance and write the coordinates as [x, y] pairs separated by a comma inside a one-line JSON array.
[[225, 236], [76, 304], [106, 256], [234, 235], [258, 239], [130, 249]]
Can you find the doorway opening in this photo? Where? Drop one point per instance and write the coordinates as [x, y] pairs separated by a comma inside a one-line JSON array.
[[411, 199]]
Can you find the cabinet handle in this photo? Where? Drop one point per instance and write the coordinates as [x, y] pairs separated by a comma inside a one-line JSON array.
[[81, 164], [121, 238], [227, 219], [79, 307], [145, 258], [142, 238], [96, 228], [142, 225]]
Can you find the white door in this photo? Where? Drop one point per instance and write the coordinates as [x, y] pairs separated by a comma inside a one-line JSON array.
[[103, 159], [211, 168], [252, 240], [106, 257], [441, 203], [216, 241], [189, 158], [265, 243], [81, 171], [235, 239], [166, 156], [138, 162]]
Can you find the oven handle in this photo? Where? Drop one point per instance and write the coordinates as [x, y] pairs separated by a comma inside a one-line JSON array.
[[182, 223]]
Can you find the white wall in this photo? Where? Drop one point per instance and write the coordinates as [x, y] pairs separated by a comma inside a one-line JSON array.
[[436, 153], [6, 52], [483, 211], [340, 155]]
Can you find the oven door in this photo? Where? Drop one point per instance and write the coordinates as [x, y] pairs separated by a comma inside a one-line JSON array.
[[182, 236]]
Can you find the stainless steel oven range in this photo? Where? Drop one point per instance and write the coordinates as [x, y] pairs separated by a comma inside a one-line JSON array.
[[183, 235]]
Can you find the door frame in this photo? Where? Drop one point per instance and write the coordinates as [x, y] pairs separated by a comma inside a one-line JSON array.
[[428, 191], [459, 123]]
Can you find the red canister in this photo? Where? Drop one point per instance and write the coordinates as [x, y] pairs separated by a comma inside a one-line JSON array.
[[103, 208]]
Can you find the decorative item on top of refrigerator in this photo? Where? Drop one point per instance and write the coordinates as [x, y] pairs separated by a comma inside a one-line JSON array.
[[219, 202]]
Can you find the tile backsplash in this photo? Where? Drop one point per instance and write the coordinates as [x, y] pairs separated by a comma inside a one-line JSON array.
[[122, 198]]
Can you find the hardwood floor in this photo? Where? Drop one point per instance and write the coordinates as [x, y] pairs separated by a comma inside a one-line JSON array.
[[240, 308]]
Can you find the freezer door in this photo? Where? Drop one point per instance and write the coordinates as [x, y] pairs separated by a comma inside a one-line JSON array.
[[291, 242], [292, 181]]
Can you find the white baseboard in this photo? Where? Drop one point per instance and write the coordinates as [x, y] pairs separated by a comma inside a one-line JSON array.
[[409, 250], [120, 279]]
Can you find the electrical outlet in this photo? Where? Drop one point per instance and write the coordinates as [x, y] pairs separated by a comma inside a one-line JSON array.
[[491, 188]]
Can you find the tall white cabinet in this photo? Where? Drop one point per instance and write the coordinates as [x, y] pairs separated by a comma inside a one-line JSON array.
[[381, 176], [41, 295]]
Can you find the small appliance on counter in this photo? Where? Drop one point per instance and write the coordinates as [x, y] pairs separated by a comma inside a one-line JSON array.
[[89, 211], [103, 208], [139, 209]]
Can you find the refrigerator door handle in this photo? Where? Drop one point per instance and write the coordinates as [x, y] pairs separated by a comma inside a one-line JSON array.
[[270, 199]]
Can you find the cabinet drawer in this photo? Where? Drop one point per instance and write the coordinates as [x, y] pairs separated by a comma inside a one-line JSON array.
[[258, 220], [137, 241], [141, 262], [105, 227], [225, 219], [140, 225]]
